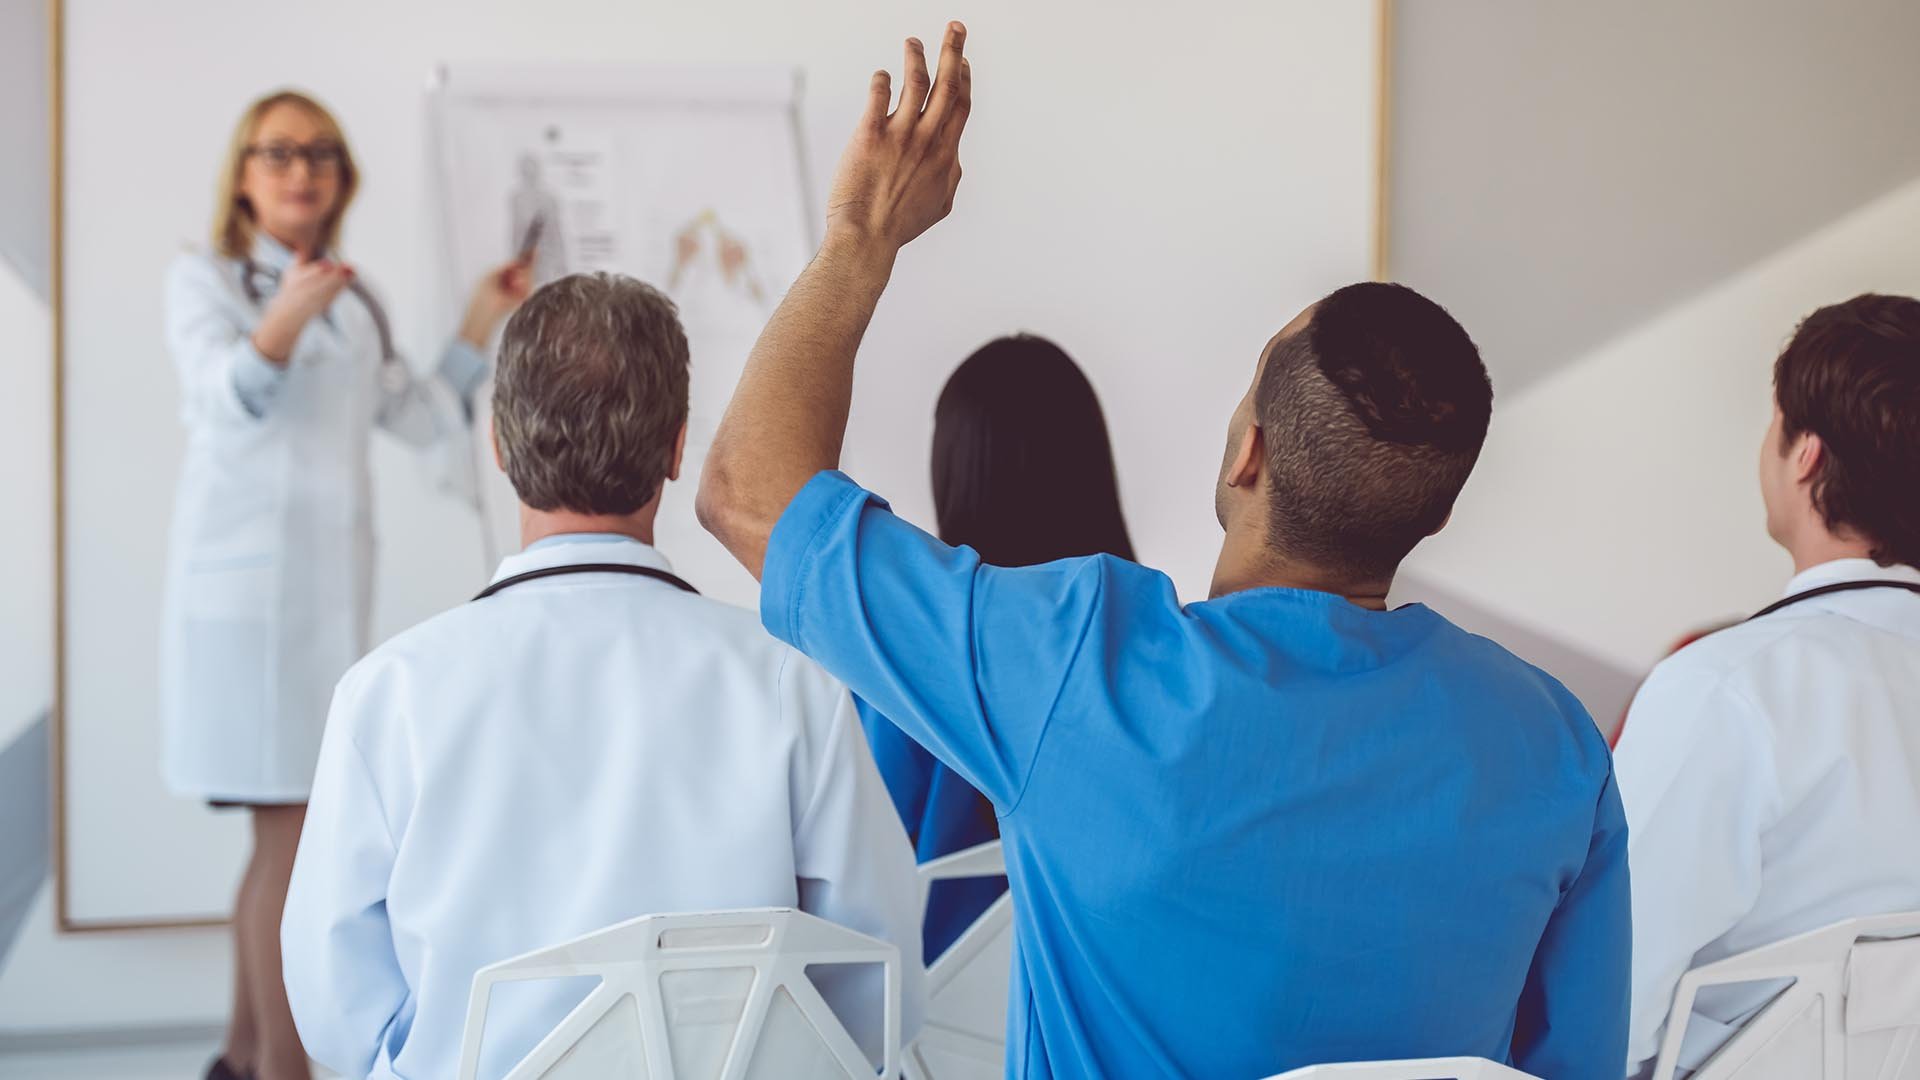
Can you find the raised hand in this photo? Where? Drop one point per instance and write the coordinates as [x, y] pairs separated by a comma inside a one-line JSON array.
[[789, 415], [306, 289], [495, 296], [900, 170]]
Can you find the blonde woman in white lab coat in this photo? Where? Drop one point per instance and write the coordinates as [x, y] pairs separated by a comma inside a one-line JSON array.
[[286, 363]]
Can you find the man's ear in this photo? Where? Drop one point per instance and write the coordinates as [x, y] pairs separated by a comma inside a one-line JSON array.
[[1807, 456], [493, 441], [679, 452], [1443, 523], [1249, 460]]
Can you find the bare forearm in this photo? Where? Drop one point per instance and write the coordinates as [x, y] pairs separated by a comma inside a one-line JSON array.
[[789, 415], [494, 298], [276, 335], [788, 418]]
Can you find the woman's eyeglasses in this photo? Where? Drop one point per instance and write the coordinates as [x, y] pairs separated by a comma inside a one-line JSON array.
[[323, 159]]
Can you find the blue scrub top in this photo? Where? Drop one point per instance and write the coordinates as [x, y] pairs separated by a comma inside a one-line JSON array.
[[943, 814], [1265, 831]]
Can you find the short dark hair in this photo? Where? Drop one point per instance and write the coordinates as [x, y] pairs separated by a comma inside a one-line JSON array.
[[1851, 375], [1373, 415], [590, 394], [1022, 470]]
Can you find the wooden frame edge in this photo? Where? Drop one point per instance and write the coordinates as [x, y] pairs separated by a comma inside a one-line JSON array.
[[56, 288]]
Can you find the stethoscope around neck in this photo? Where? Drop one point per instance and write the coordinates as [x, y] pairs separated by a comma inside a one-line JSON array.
[[1827, 590], [587, 568]]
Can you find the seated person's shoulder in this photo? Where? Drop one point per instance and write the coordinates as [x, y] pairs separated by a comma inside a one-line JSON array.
[[1059, 607], [464, 641], [1724, 665], [1524, 684], [446, 640], [1748, 670], [1106, 575], [716, 627]]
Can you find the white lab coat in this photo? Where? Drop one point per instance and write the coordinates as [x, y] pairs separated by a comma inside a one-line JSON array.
[[570, 753], [1771, 777], [269, 562]]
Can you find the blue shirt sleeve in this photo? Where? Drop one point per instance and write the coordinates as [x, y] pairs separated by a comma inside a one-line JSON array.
[[967, 659], [906, 768], [1572, 1020], [464, 369]]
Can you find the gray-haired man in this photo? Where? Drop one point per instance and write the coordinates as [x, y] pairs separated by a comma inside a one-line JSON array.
[[588, 741]]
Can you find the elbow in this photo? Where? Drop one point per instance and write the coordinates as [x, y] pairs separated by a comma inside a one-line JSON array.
[[718, 504], [734, 513]]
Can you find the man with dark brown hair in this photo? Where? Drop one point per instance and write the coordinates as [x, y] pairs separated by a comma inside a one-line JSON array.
[[1771, 771], [588, 741]]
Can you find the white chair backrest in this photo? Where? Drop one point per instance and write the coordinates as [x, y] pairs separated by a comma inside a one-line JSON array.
[[1455, 1068], [964, 1036], [1851, 1013], [716, 996]]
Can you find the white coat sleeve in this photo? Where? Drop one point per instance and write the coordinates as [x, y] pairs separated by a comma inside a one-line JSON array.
[[223, 378], [343, 979], [432, 414], [851, 853], [1697, 777], [429, 412]]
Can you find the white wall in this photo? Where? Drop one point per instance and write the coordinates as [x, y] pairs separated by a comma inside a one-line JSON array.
[[1157, 198], [26, 491], [51, 981], [1741, 128], [1616, 504]]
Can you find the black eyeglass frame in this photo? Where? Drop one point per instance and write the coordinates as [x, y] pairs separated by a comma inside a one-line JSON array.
[[322, 159]]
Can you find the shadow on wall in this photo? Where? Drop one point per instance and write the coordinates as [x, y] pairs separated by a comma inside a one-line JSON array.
[[1530, 180], [24, 803], [1603, 688]]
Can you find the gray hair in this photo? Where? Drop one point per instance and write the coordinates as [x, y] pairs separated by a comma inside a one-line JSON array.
[[591, 394]]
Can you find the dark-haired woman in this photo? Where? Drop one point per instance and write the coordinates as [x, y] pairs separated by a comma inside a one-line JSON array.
[[1023, 474]]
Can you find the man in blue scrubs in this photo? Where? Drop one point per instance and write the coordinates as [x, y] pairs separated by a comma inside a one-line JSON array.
[[1280, 827]]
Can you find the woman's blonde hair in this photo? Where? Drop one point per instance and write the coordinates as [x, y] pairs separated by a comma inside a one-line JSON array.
[[233, 223]]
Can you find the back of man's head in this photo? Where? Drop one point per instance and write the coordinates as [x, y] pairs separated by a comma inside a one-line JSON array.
[[1851, 375], [591, 394], [1373, 415]]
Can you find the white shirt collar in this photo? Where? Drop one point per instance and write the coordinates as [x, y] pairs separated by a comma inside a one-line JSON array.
[[1839, 570], [629, 552], [270, 253]]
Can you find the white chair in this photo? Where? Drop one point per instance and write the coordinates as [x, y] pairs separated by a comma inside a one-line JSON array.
[[1851, 1013], [715, 996], [1454, 1068], [964, 1036]]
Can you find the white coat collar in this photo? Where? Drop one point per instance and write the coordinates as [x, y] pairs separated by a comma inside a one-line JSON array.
[[630, 552], [271, 254], [1839, 570]]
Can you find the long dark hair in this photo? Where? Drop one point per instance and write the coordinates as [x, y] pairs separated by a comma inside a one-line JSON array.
[[1022, 470]]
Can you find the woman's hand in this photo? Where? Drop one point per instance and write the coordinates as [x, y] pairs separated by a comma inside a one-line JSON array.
[[494, 298], [307, 288]]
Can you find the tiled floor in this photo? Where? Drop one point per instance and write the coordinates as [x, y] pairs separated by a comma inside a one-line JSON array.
[[172, 1061], [167, 1061]]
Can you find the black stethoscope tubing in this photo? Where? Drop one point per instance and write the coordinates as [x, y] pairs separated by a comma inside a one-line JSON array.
[[1843, 586], [249, 270], [587, 568]]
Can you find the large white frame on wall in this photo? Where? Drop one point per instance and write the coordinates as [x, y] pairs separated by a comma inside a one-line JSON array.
[[75, 916]]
